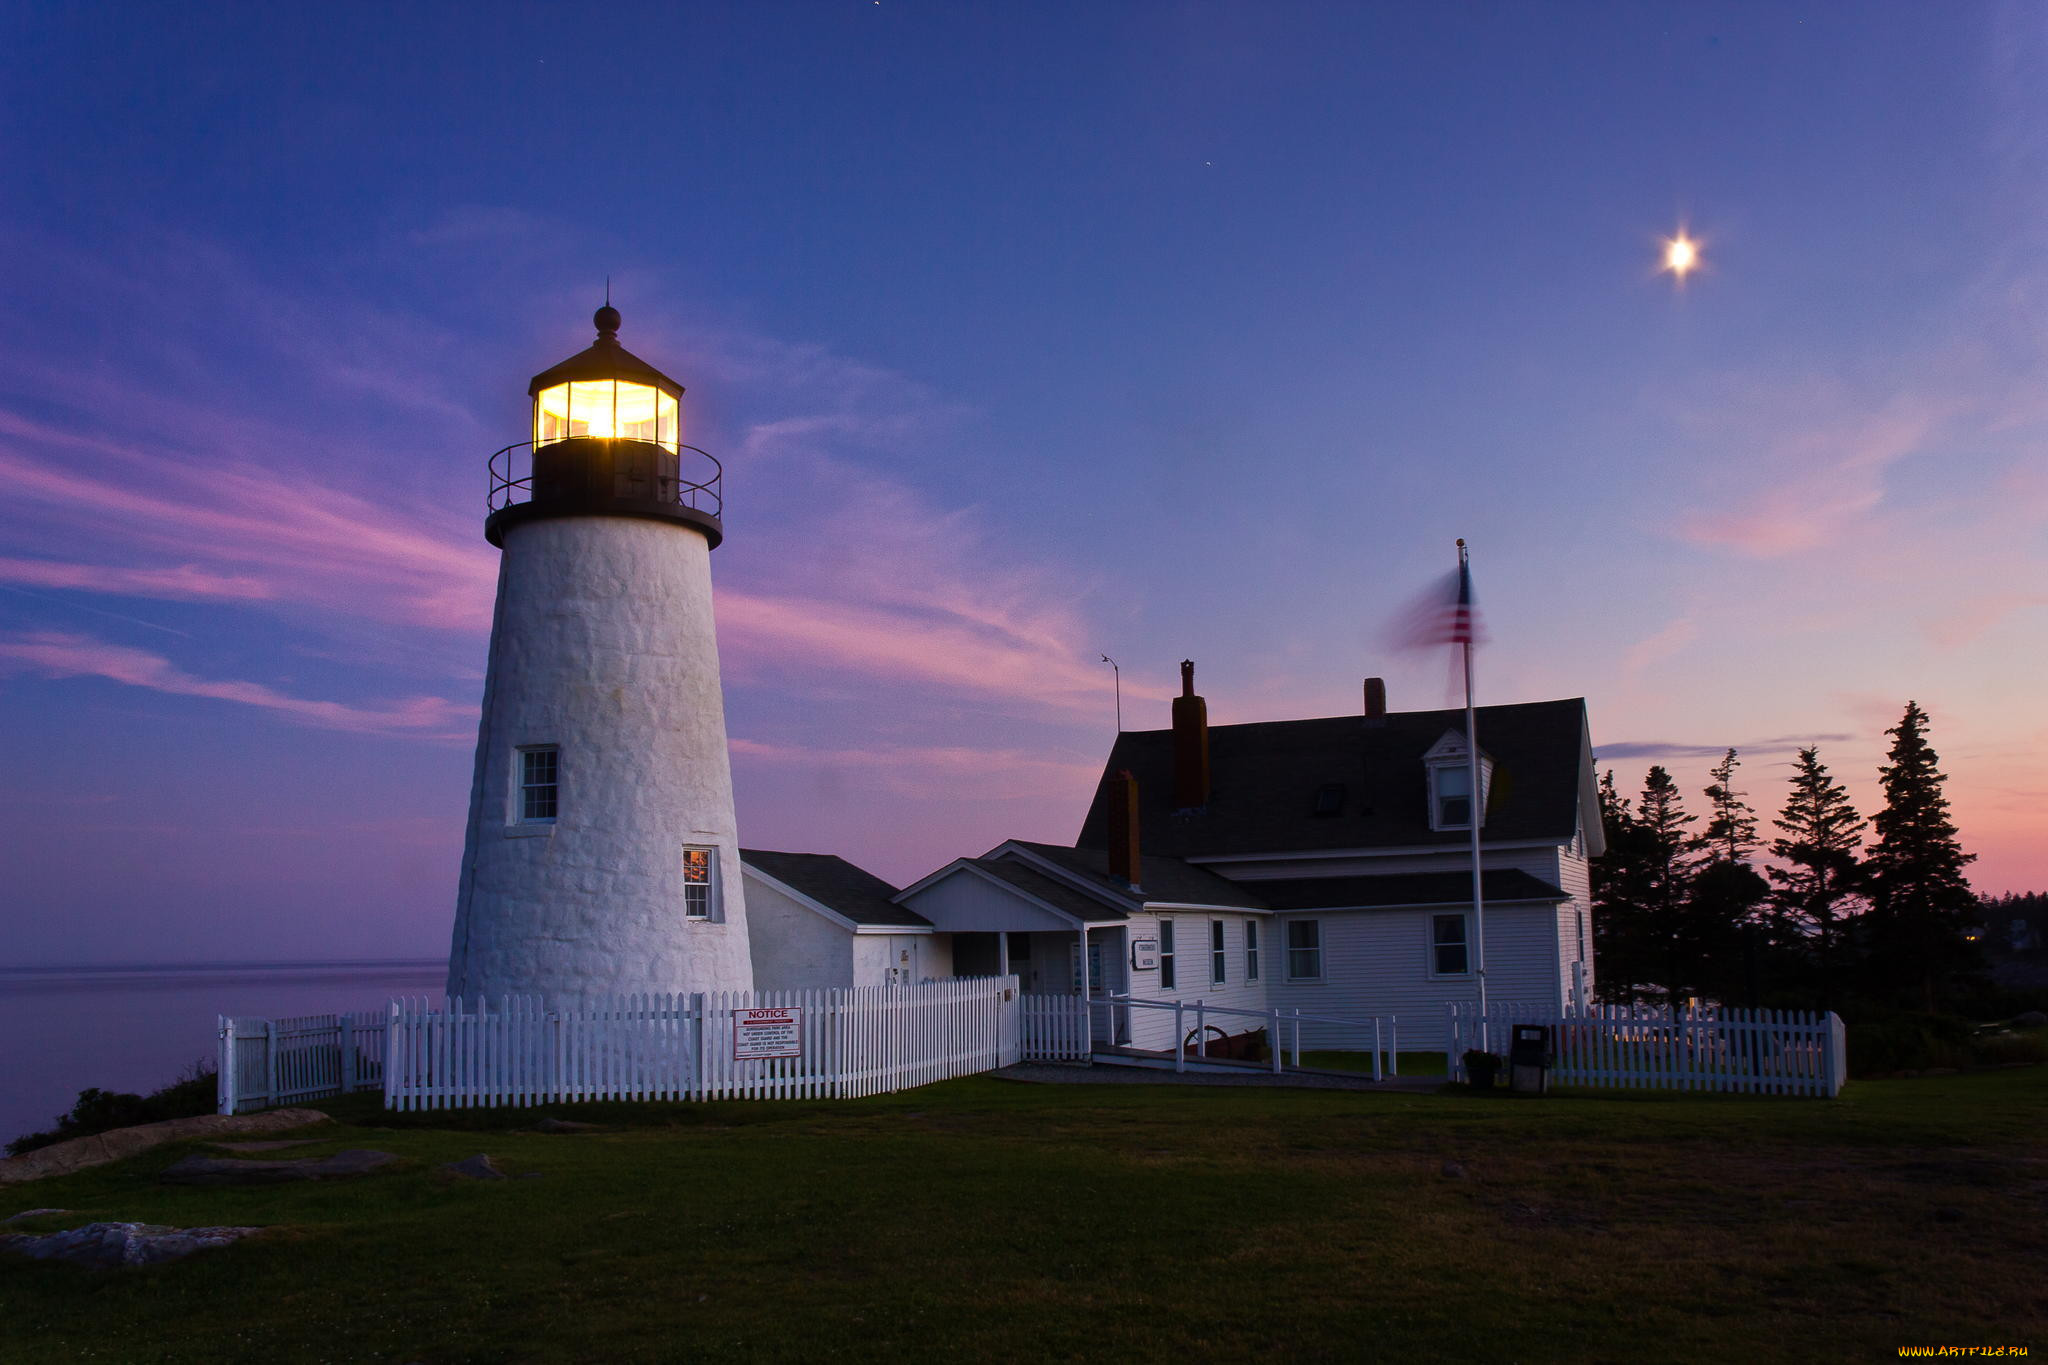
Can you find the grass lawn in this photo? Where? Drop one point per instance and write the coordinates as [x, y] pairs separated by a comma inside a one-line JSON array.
[[984, 1219]]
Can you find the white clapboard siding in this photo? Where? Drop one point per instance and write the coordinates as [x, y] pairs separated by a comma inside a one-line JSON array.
[[855, 1041], [263, 1063], [1738, 1051]]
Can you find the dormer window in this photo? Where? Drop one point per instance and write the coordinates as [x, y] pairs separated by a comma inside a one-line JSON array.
[[1450, 783], [1453, 797]]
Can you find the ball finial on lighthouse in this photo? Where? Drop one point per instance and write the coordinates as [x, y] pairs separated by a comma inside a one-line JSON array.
[[601, 856]]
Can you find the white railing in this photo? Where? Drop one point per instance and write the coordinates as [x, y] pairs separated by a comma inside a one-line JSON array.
[[717, 1045], [1755, 1052], [1283, 1031], [264, 1063]]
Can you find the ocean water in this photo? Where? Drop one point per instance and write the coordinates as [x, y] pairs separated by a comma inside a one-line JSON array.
[[63, 1029]]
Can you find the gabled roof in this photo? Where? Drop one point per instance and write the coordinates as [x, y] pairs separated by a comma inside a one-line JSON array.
[[1049, 890], [1405, 889], [1266, 778], [1161, 880], [836, 884]]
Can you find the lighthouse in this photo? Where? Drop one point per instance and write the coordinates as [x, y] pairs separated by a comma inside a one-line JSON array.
[[601, 857]]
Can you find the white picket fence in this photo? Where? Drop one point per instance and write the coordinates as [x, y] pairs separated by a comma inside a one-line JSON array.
[[1055, 1028], [841, 1044], [1740, 1051], [264, 1063]]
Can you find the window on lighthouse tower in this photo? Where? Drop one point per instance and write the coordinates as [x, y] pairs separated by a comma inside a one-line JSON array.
[[697, 885], [539, 784]]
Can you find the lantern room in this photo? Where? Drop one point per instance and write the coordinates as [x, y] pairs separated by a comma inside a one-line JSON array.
[[607, 441], [606, 393], [610, 409]]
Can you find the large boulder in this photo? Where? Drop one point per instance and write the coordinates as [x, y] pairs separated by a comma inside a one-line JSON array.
[[62, 1158], [109, 1246], [213, 1170]]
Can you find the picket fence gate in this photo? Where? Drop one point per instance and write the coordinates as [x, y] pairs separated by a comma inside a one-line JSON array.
[[1055, 1028], [263, 1063], [849, 1042], [1739, 1051]]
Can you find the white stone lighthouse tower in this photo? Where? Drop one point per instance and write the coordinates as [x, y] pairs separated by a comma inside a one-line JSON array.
[[601, 857]]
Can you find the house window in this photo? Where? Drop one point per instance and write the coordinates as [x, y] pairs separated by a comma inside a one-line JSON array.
[[539, 784], [1329, 800], [1304, 950], [1217, 956], [1450, 791], [1166, 976], [1251, 950], [699, 883], [1447, 951], [1453, 798]]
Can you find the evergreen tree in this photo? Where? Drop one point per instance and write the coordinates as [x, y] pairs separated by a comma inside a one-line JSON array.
[[1817, 881], [1623, 953], [1720, 937], [1731, 830], [1667, 864], [1921, 907]]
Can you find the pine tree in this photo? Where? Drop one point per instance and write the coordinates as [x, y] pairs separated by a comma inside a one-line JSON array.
[[1817, 884], [1719, 937], [1622, 950], [1668, 862], [1921, 907], [1731, 830]]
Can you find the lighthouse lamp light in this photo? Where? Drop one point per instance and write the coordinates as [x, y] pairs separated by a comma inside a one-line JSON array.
[[609, 409]]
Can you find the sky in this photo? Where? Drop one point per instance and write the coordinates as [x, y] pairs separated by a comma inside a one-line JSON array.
[[1026, 333]]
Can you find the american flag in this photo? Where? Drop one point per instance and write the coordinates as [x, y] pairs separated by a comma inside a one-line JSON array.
[[1446, 614]]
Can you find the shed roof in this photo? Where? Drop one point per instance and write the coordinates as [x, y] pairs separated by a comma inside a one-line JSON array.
[[1160, 879], [1050, 890], [837, 885]]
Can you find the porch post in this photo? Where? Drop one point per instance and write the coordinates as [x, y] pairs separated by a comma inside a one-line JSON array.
[[1087, 1010], [1002, 953]]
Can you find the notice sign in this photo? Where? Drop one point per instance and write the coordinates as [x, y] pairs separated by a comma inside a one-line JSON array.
[[767, 1033], [1144, 954]]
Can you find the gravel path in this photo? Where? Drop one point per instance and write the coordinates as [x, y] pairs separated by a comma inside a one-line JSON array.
[[1052, 1073]]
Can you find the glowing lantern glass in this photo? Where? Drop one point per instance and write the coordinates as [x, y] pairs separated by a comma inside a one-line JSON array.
[[609, 409]]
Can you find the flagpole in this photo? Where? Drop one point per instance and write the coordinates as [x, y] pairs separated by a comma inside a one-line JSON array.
[[1477, 803]]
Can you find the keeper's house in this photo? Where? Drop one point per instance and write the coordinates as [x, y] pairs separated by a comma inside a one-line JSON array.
[[1320, 865]]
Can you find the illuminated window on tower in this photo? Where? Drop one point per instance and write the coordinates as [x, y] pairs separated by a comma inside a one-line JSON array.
[[697, 883]]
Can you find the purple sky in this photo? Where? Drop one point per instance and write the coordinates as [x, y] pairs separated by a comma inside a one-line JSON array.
[[1025, 333]]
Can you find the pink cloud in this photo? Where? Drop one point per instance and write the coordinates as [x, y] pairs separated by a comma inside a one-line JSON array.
[[54, 654], [184, 581], [1817, 482]]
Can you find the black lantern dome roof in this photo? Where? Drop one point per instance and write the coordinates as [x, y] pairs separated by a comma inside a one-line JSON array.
[[605, 359]]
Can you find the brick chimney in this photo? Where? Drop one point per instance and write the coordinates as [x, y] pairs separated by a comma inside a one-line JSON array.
[[1123, 828], [1375, 698], [1190, 744]]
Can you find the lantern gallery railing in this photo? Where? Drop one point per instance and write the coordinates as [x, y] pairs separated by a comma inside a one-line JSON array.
[[683, 476]]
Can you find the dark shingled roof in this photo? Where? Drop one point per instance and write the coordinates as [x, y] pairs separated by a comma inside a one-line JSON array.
[[1161, 879], [1267, 775], [1054, 893], [838, 885], [1405, 888]]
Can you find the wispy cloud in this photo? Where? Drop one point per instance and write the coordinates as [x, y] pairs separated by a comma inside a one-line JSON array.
[[1665, 748], [54, 654], [1818, 479]]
